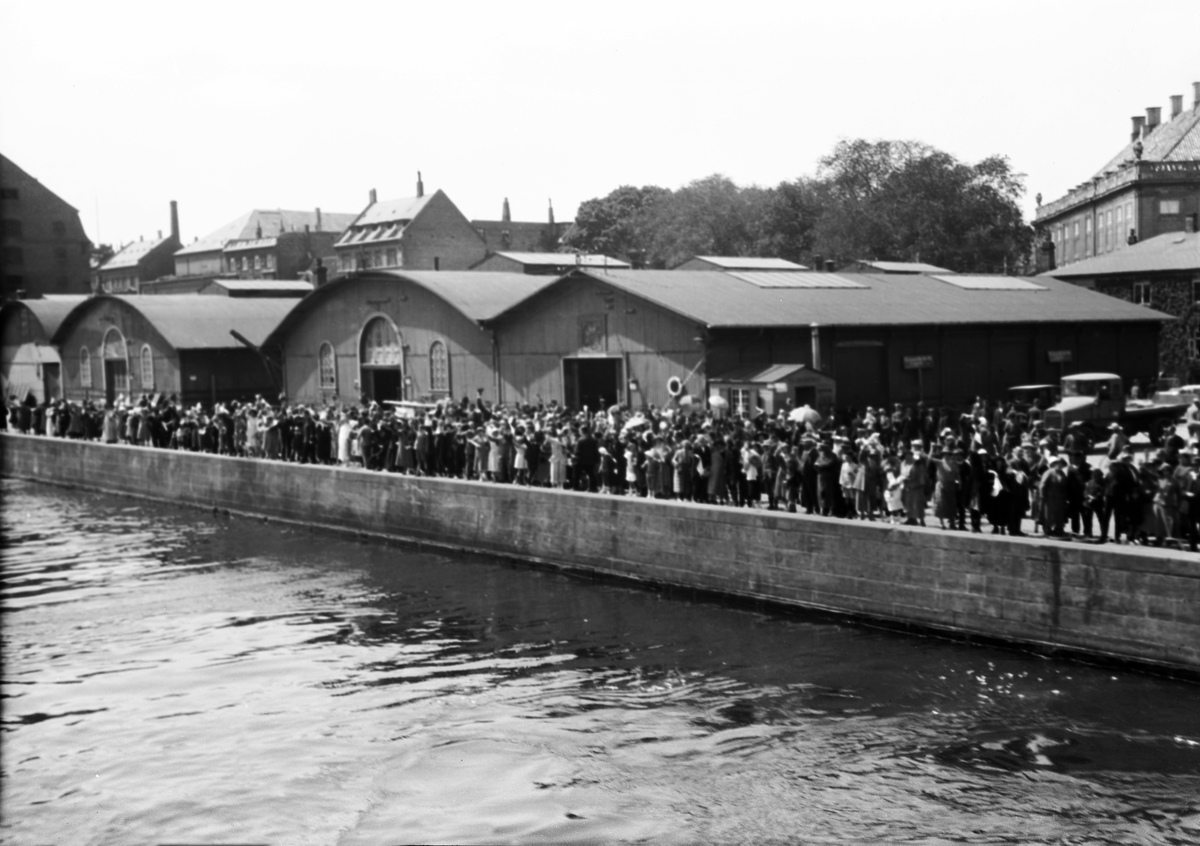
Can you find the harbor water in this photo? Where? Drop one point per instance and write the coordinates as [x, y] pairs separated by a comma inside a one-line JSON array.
[[173, 675]]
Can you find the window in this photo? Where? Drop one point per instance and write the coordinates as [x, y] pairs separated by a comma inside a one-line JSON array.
[[9, 194], [439, 368], [147, 368], [1168, 207], [258, 262], [233, 263], [59, 228], [391, 258], [13, 256], [114, 351], [739, 401], [381, 343], [270, 261], [328, 367], [85, 368], [245, 263], [10, 228], [1141, 293]]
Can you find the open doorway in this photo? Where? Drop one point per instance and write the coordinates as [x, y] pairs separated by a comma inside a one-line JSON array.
[[592, 382], [381, 383]]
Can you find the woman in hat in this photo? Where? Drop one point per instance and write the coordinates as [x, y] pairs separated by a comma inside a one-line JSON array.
[[1052, 497]]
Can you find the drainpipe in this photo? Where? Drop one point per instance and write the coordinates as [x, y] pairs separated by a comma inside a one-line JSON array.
[[816, 346]]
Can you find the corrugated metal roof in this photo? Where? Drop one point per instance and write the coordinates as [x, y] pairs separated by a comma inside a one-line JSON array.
[[557, 259], [751, 263], [1166, 252], [131, 254], [190, 322], [783, 279], [272, 221], [1176, 140], [719, 300], [903, 266], [50, 311]]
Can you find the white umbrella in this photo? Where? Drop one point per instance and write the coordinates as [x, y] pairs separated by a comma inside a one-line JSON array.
[[635, 422], [804, 414], [685, 400], [718, 401]]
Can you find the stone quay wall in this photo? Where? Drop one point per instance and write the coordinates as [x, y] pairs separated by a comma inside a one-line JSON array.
[[1118, 602]]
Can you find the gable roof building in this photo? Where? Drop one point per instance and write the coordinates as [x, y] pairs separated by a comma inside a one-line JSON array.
[[413, 233], [43, 248], [1151, 186]]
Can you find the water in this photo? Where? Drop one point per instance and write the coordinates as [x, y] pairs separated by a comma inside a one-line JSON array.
[[175, 676]]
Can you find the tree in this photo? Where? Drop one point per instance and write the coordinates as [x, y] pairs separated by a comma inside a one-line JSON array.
[[906, 201], [615, 225]]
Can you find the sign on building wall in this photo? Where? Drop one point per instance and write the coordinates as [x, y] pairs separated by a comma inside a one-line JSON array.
[[1059, 356], [918, 362]]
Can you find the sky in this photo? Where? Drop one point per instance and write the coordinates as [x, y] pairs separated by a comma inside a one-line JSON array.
[[121, 107]]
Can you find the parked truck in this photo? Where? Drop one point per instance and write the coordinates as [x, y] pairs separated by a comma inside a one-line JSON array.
[[1094, 401]]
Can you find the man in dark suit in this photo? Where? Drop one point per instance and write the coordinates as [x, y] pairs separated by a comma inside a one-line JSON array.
[[587, 458]]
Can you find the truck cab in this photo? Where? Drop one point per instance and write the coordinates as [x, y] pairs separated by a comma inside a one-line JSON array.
[[1094, 398]]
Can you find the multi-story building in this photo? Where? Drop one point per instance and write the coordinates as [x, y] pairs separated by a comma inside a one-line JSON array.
[[283, 256], [413, 233], [206, 256], [140, 261], [508, 235], [1150, 187], [43, 248]]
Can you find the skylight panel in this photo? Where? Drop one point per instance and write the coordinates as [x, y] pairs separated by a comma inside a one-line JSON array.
[[991, 283]]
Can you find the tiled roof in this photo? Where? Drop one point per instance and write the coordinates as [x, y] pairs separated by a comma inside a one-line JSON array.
[[131, 254], [392, 211], [272, 221], [1177, 140], [1166, 252], [189, 322], [718, 299], [750, 263], [557, 259]]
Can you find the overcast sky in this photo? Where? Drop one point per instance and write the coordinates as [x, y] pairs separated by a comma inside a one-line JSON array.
[[121, 107]]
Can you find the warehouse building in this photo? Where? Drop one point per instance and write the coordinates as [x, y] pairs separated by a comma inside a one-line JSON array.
[[29, 363], [181, 345]]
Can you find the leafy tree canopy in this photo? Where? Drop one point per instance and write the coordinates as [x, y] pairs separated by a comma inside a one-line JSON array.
[[881, 200]]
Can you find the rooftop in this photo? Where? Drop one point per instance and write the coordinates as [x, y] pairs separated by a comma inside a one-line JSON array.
[[748, 263], [131, 254], [723, 300], [559, 259], [50, 311], [1166, 252], [271, 222], [899, 267], [189, 322]]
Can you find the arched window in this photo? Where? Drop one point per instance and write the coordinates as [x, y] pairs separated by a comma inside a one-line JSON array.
[[328, 367], [439, 368], [381, 344], [147, 368], [85, 368]]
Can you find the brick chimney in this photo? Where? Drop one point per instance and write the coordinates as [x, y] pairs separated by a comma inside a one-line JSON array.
[[318, 218], [175, 222], [551, 202], [1153, 118], [374, 197], [1195, 94], [506, 215], [420, 185], [1176, 105], [1138, 120]]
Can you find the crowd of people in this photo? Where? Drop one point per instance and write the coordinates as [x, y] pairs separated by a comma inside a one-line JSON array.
[[914, 464]]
